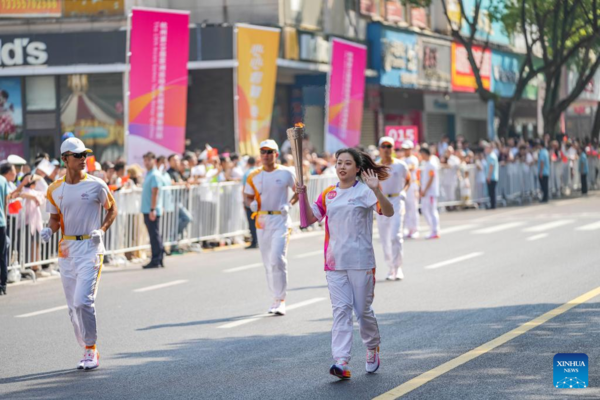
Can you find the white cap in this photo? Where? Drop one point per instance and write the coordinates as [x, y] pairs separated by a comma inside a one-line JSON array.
[[16, 160], [46, 167], [73, 145], [387, 139], [408, 144], [98, 166], [269, 144]]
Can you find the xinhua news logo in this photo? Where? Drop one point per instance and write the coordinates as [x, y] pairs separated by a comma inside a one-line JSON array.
[[570, 371]]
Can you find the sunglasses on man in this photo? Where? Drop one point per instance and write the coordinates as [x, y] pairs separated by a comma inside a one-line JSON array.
[[266, 151], [77, 155], [386, 146]]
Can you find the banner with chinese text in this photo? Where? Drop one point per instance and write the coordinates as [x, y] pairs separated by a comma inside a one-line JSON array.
[[257, 50], [158, 81], [346, 91]]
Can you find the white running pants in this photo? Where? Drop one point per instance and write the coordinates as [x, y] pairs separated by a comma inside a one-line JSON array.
[[273, 244], [430, 212], [80, 277], [412, 208], [392, 237], [352, 289]]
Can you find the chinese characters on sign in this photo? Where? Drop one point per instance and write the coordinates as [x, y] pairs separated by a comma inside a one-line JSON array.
[[463, 78], [257, 50], [157, 82]]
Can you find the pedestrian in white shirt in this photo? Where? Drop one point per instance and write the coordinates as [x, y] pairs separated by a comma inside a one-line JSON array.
[[430, 191], [75, 205], [267, 195], [391, 228], [347, 208], [411, 219]]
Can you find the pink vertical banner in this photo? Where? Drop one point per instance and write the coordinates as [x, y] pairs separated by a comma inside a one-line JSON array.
[[346, 90], [158, 79]]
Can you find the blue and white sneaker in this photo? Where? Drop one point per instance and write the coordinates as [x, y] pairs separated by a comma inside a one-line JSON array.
[[373, 362], [340, 370]]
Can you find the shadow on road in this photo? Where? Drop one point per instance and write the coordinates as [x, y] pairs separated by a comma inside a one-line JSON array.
[[295, 366]]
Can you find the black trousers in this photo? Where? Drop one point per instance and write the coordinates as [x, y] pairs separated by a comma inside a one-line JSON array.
[[252, 226], [3, 257], [544, 184], [492, 192], [155, 239], [584, 183]]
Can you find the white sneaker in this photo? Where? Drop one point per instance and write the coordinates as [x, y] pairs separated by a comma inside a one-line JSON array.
[[91, 359], [273, 306], [372, 364], [280, 309], [399, 274], [80, 365]]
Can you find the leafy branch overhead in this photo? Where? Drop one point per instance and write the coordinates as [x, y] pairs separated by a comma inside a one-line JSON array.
[[555, 34]]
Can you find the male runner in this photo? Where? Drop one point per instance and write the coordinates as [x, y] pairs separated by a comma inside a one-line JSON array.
[[412, 194], [75, 203], [430, 190], [391, 228], [267, 191]]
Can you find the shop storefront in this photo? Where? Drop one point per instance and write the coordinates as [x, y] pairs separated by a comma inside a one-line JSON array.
[[62, 82], [394, 54], [579, 117]]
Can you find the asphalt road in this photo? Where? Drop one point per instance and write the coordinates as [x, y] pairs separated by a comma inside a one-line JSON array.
[[200, 334]]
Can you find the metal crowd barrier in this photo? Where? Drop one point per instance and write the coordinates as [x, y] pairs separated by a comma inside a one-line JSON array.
[[215, 211]]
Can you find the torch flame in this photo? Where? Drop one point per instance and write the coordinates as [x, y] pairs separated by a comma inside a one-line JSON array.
[[299, 125]]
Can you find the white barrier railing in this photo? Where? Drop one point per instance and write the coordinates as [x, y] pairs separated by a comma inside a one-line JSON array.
[[215, 211]]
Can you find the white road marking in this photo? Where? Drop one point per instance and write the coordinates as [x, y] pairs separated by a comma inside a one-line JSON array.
[[260, 316], [537, 237], [49, 310], [162, 285], [245, 267], [549, 225], [498, 228], [591, 227], [454, 260], [310, 254], [459, 228]]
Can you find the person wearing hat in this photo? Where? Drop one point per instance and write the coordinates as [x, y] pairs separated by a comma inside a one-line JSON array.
[[267, 195], [391, 228], [75, 205], [411, 218]]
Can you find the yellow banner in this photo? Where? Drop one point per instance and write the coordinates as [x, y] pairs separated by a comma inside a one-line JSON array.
[[257, 50]]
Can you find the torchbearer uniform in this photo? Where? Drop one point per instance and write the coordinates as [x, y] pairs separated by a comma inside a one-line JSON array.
[[349, 264], [430, 172], [80, 259], [273, 225], [391, 228], [411, 219]]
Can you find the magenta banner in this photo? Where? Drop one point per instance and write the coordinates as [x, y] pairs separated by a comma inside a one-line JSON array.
[[346, 90], [158, 80]]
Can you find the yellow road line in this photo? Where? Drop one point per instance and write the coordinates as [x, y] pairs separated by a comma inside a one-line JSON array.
[[430, 375]]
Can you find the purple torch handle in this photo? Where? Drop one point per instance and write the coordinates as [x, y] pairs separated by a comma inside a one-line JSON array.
[[303, 216]]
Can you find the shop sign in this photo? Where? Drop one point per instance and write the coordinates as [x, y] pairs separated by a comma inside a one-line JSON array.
[[402, 133], [30, 8], [434, 64], [400, 59], [463, 78], [486, 29]]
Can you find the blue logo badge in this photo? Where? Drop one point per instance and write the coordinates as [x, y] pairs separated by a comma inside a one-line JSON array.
[[571, 371]]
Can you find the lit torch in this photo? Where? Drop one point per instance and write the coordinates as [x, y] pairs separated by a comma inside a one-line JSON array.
[[295, 136]]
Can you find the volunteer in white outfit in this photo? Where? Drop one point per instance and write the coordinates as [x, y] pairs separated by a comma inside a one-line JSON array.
[[75, 203], [391, 228], [267, 195], [430, 191], [411, 217], [347, 209]]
